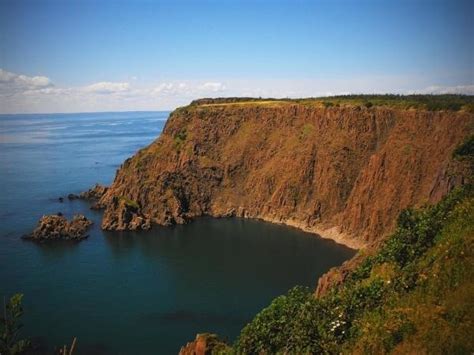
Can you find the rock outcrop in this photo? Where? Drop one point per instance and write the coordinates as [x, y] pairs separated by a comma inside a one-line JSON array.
[[57, 227], [204, 344], [124, 214], [95, 193], [342, 172]]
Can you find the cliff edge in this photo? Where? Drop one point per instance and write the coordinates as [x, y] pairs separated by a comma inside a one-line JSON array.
[[343, 171]]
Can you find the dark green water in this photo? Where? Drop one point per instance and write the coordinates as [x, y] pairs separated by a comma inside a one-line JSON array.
[[131, 293]]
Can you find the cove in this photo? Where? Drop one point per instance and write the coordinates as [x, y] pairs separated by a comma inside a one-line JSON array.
[[125, 292]]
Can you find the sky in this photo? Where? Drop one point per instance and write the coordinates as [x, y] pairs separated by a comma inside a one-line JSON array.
[[83, 56]]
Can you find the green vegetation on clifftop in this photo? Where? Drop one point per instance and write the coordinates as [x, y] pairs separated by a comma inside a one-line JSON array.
[[446, 102]]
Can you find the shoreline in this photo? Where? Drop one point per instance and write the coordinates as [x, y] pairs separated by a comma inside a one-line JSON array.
[[331, 233]]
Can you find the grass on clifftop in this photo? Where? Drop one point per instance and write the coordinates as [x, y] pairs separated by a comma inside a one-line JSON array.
[[426, 102]]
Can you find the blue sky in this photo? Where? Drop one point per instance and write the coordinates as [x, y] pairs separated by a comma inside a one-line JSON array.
[[120, 55]]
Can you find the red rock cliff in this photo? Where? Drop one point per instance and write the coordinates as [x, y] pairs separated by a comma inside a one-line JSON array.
[[342, 172]]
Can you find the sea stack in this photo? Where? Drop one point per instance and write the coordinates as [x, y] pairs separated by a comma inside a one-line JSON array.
[[57, 227]]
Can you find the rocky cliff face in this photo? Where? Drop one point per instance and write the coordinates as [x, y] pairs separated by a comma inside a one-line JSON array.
[[342, 172]]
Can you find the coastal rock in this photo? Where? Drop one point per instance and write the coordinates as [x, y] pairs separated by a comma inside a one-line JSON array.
[[342, 172], [124, 214], [94, 193], [337, 275], [57, 227], [204, 344]]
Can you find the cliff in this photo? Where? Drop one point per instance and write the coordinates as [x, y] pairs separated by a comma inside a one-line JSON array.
[[344, 171]]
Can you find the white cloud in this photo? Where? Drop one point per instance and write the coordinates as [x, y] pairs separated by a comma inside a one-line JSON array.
[[212, 87], [22, 93], [188, 89], [106, 87], [11, 83], [171, 89], [48, 91]]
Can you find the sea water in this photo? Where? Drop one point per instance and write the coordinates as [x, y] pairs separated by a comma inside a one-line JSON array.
[[131, 292]]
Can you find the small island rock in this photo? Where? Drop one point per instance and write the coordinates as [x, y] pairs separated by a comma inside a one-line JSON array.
[[57, 227]]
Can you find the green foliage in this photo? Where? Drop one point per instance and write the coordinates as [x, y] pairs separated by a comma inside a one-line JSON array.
[[428, 102], [11, 326], [465, 150], [392, 299], [368, 104], [129, 202], [417, 230], [179, 139], [287, 325], [446, 102]]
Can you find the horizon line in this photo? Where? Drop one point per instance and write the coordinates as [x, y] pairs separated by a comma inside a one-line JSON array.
[[240, 97]]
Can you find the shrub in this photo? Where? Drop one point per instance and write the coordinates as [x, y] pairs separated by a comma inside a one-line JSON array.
[[179, 139], [465, 150], [368, 311], [11, 326]]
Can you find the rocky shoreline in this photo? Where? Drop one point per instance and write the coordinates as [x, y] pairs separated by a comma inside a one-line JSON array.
[[94, 194], [57, 227]]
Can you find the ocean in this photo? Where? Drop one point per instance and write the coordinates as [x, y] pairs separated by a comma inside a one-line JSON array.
[[131, 292]]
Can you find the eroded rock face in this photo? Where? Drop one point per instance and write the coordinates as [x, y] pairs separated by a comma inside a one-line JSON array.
[[204, 344], [342, 172], [337, 275], [124, 214], [57, 227]]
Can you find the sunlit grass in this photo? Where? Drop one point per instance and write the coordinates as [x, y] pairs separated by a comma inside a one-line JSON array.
[[425, 102]]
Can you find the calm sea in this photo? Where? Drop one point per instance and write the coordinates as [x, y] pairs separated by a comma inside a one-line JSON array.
[[131, 293]]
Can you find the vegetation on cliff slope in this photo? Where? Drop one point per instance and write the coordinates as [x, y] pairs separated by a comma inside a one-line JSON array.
[[414, 295]]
